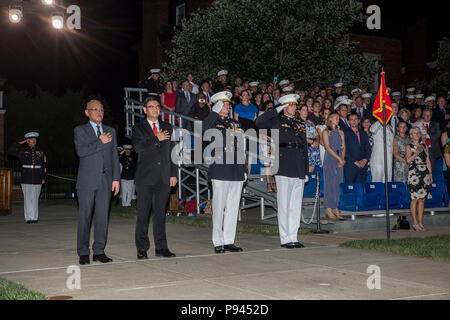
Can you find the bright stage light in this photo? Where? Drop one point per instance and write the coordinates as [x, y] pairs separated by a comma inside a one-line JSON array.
[[58, 22], [48, 2], [15, 15]]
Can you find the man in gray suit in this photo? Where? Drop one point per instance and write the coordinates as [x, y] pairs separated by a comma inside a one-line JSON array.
[[98, 176], [185, 99]]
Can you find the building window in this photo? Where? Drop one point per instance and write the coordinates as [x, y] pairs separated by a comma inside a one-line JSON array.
[[180, 14], [376, 78]]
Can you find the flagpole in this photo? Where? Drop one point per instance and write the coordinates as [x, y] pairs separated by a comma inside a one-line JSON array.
[[388, 227]]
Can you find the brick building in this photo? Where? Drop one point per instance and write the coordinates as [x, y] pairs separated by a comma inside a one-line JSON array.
[[406, 50]]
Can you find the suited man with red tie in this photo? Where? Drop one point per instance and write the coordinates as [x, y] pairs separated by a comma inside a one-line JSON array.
[[155, 174]]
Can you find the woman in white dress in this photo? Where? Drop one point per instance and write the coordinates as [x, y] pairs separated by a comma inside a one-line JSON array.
[[377, 157]]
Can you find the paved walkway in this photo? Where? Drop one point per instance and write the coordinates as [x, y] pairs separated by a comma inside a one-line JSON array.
[[38, 255]]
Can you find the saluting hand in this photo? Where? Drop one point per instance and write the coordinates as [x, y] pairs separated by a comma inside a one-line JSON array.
[[22, 142], [106, 137], [163, 135]]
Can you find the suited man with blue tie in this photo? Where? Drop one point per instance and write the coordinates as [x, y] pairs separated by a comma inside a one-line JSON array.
[[185, 99], [357, 153], [98, 176]]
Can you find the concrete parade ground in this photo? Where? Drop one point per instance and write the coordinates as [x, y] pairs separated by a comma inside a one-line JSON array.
[[38, 255]]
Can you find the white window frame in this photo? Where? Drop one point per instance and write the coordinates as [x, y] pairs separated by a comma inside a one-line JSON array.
[[180, 13], [376, 79]]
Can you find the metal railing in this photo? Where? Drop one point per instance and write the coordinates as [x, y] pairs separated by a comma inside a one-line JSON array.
[[259, 198]]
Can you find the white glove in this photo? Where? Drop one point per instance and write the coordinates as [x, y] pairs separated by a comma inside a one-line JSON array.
[[280, 108], [245, 176], [217, 107], [306, 178]]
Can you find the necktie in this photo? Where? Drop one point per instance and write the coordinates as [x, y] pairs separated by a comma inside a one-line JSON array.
[[427, 141], [360, 114], [98, 131], [357, 134], [155, 129], [187, 96]]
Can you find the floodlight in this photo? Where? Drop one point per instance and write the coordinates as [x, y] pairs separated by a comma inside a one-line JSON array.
[[57, 21], [15, 14], [48, 2]]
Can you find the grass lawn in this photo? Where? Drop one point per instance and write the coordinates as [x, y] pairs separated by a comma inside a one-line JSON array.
[[13, 291], [434, 247]]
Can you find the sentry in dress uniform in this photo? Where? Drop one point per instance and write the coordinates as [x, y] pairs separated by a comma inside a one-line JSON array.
[[33, 162], [227, 178], [293, 167], [128, 163], [153, 86]]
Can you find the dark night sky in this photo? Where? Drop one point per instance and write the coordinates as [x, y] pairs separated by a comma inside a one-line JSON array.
[[102, 57]]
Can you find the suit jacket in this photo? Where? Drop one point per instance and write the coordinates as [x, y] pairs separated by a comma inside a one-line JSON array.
[[96, 159], [354, 150], [154, 164], [435, 139], [366, 113], [342, 124], [182, 105], [293, 162]]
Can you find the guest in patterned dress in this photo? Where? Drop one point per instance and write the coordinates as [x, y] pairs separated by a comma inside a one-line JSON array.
[[312, 137], [419, 177], [401, 140]]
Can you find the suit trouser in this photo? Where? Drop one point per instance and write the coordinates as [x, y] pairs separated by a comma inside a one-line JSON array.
[[99, 200], [289, 203], [151, 197], [225, 208], [354, 174], [31, 194], [127, 190]]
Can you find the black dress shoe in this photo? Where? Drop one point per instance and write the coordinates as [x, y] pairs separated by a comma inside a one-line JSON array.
[[219, 249], [101, 258], [164, 253], [298, 245], [29, 221], [289, 245], [84, 260], [34, 221], [232, 248], [142, 255]]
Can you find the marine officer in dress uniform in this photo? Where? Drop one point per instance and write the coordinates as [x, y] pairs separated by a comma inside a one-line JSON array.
[[293, 167], [128, 163], [227, 178], [221, 82], [152, 83], [33, 162]]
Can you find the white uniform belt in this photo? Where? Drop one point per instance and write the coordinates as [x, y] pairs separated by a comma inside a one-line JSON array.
[[31, 166]]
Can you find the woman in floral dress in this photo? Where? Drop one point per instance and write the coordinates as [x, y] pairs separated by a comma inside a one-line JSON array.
[[419, 177]]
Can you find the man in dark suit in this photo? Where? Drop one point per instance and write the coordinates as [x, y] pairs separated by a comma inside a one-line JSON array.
[[185, 99], [432, 136], [98, 175], [361, 111], [357, 152], [342, 109], [155, 174]]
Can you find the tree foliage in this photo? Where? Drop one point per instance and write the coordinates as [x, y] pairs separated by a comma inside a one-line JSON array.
[[305, 40]]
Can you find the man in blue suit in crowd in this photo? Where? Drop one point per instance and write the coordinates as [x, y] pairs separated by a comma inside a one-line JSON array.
[[357, 153]]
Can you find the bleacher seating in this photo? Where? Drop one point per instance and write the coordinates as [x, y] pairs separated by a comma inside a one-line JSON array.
[[438, 194]]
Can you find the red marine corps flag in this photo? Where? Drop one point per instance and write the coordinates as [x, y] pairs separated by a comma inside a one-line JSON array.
[[383, 99]]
